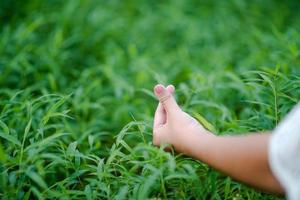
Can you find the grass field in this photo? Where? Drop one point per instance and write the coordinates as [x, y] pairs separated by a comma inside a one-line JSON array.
[[76, 101]]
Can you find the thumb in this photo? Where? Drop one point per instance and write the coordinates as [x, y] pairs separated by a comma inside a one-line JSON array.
[[166, 98], [160, 117]]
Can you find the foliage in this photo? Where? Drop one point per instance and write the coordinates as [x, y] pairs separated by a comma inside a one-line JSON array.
[[76, 100]]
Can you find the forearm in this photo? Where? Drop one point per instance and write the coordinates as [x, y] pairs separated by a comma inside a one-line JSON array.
[[244, 158]]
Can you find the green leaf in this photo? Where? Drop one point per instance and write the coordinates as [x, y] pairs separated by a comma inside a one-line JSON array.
[[4, 127], [2, 154], [88, 192], [72, 149], [37, 179], [204, 122], [10, 138]]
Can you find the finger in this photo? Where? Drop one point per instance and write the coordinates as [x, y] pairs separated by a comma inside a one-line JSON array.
[[156, 136], [171, 88], [159, 117], [166, 98], [159, 136]]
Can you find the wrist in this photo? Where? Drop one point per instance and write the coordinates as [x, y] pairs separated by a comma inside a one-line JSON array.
[[196, 144], [202, 145]]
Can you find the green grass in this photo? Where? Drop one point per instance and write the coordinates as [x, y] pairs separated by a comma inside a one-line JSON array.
[[76, 100]]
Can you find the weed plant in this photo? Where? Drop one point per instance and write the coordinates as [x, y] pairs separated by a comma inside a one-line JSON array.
[[76, 101]]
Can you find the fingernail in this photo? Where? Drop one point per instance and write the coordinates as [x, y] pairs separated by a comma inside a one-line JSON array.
[[159, 89], [171, 88]]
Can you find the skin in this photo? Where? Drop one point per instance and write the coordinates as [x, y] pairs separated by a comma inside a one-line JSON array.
[[245, 158]]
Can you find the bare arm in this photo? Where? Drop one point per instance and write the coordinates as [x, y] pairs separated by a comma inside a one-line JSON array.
[[245, 158]]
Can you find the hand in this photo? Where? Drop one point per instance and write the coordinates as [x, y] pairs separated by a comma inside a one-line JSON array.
[[245, 158], [172, 125]]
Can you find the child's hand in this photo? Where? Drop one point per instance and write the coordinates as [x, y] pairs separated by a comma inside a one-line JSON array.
[[242, 157], [172, 125]]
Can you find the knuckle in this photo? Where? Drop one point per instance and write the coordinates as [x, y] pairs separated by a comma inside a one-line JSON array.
[[165, 98]]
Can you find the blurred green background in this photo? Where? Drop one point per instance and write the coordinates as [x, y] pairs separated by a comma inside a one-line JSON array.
[[76, 100]]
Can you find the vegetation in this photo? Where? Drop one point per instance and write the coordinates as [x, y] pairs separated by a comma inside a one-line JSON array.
[[76, 101]]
